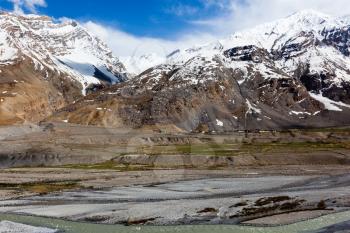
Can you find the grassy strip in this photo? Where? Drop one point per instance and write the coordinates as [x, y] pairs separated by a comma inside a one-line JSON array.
[[112, 165], [109, 165], [41, 187], [213, 150], [239, 149]]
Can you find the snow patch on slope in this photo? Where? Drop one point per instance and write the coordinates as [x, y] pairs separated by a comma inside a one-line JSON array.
[[252, 109], [328, 103], [219, 123], [7, 53]]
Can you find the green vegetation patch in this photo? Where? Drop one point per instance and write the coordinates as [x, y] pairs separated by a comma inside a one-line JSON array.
[[109, 165], [192, 149]]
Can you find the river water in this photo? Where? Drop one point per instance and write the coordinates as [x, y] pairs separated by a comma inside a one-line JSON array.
[[75, 227]]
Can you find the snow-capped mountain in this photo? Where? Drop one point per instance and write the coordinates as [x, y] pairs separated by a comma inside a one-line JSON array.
[[64, 46], [294, 72], [307, 41], [59, 60]]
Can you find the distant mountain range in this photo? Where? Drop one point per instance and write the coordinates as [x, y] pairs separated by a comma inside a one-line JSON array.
[[291, 73]]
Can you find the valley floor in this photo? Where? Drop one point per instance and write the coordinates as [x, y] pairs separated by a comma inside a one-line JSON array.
[[106, 176], [253, 196]]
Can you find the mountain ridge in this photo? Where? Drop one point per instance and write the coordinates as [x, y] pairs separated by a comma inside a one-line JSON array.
[[290, 73], [241, 37]]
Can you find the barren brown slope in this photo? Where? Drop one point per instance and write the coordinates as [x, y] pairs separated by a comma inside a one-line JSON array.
[[26, 95]]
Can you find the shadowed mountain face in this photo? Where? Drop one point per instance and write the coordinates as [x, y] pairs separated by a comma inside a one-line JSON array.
[[45, 66], [286, 74]]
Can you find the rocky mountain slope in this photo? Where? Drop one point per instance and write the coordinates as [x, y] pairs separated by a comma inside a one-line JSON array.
[[45, 65], [294, 72]]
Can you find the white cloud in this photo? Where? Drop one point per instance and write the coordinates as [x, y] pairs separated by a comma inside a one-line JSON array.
[[241, 14], [130, 48], [124, 44], [30, 5]]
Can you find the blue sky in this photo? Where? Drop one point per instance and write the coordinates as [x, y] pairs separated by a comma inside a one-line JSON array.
[[151, 18], [161, 26]]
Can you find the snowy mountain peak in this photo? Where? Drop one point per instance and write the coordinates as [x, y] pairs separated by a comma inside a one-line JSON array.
[[307, 20], [272, 35], [302, 26], [309, 15], [64, 46]]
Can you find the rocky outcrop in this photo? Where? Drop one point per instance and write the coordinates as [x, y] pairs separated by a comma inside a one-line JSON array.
[[247, 53], [339, 38]]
